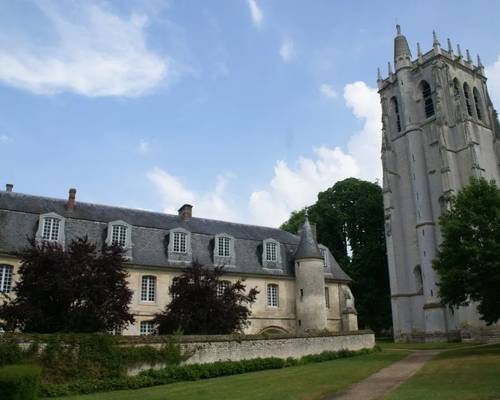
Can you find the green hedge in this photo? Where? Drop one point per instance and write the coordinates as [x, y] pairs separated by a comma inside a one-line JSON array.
[[191, 373], [19, 382]]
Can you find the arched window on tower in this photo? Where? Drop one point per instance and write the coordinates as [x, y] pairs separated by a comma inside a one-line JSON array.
[[395, 109], [456, 89], [428, 102], [477, 102], [467, 99], [419, 283]]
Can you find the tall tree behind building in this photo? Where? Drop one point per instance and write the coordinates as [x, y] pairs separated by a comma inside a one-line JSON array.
[[350, 214]]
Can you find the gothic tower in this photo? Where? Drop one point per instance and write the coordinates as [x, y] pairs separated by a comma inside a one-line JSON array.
[[439, 129]]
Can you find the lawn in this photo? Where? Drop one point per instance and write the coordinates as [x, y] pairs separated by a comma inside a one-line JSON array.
[[312, 381], [461, 374], [387, 345]]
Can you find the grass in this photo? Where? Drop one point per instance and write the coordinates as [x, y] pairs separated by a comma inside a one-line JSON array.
[[461, 374], [386, 345], [307, 382]]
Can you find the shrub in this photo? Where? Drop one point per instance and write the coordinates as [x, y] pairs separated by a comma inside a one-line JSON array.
[[19, 382], [188, 373]]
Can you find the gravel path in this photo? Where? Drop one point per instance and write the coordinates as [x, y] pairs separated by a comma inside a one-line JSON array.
[[379, 384]]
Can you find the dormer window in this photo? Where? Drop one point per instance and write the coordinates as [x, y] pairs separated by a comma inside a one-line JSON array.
[[179, 242], [179, 245], [271, 254], [223, 246], [51, 228], [120, 233], [224, 250], [271, 251], [324, 254]]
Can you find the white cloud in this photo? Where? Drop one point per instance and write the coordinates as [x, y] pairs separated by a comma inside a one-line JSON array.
[[328, 91], [212, 204], [96, 53], [287, 50], [493, 74], [143, 147], [292, 188], [4, 139], [255, 12]]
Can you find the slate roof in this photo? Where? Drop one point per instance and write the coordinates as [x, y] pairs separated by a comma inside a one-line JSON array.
[[19, 216], [308, 248]]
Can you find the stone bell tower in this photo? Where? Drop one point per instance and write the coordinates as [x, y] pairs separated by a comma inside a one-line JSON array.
[[439, 129]]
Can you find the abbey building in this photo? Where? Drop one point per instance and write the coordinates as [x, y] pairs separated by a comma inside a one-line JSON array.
[[439, 129], [301, 286]]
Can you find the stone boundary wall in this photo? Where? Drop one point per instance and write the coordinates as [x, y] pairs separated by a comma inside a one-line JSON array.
[[231, 349]]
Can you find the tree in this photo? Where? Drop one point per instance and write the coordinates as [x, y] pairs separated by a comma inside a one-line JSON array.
[[204, 304], [468, 260], [78, 290], [351, 214]]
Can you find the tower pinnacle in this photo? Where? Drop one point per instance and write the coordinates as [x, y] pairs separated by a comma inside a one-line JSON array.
[[402, 53]]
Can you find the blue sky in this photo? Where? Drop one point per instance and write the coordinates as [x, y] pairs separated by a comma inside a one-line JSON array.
[[244, 108]]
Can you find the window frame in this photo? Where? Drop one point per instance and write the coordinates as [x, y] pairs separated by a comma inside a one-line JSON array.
[[128, 236], [272, 295], [427, 99], [222, 286], [468, 99], [6, 278], [61, 237], [478, 105], [149, 292], [226, 260], [147, 332], [179, 256], [327, 297], [324, 253], [270, 263]]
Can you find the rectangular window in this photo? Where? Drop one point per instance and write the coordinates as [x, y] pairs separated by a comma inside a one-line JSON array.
[[147, 328], [50, 229], [221, 287], [272, 295], [271, 251], [148, 288], [119, 235], [5, 278], [223, 246], [327, 297], [179, 242]]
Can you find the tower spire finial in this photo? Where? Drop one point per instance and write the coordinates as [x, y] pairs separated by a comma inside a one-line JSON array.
[[419, 50], [398, 29], [379, 74], [389, 68], [459, 50], [450, 49], [479, 63], [435, 40], [469, 59]]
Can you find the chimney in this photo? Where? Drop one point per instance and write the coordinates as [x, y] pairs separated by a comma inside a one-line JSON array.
[[186, 212], [71, 199], [313, 229], [9, 187]]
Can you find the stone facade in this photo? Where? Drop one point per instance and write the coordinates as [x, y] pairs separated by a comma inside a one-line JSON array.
[[312, 290], [439, 129]]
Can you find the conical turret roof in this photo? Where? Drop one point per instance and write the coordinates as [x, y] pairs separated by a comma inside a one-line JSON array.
[[308, 247]]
